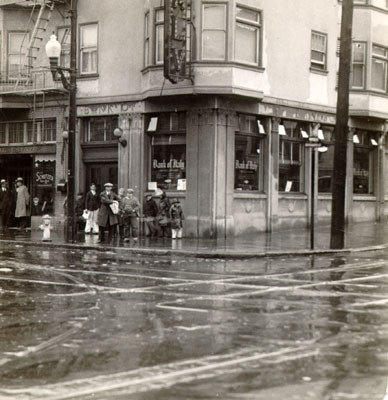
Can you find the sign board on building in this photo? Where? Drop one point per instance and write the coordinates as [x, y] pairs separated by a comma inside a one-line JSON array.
[[176, 24]]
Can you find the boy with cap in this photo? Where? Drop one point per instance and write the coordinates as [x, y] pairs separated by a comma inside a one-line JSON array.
[[177, 218], [130, 209]]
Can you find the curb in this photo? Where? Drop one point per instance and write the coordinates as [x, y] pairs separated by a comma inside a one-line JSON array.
[[226, 254]]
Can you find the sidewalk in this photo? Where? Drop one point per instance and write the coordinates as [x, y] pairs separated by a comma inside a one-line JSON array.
[[358, 237]]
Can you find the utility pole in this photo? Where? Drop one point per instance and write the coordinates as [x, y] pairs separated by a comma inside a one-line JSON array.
[[71, 222], [337, 238]]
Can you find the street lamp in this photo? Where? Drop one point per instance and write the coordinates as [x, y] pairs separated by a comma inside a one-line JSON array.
[[53, 52]]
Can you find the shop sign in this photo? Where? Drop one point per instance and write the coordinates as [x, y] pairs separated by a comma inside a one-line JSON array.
[[44, 179], [251, 165], [175, 28], [109, 109], [172, 164]]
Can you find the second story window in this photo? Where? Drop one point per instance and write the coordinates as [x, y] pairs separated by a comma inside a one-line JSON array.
[[17, 45], [247, 36], [147, 39], [379, 68], [88, 49], [99, 129], [358, 66], [159, 36], [318, 50], [214, 32]]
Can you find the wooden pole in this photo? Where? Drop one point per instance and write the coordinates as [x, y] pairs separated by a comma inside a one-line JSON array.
[[337, 239]]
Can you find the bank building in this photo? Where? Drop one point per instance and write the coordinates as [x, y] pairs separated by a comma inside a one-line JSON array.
[[214, 102]]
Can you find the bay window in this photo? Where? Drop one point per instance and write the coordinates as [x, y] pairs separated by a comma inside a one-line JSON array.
[[214, 31], [247, 36], [358, 65], [379, 68], [159, 36]]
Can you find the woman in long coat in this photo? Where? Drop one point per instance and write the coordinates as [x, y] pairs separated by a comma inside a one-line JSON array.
[[106, 218]]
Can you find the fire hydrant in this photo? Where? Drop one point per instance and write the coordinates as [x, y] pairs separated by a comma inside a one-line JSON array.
[[46, 228]]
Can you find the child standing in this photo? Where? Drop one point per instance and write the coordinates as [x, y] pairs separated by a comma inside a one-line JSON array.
[[177, 218], [130, 208]]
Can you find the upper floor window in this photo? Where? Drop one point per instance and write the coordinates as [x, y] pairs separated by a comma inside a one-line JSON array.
[[147, 39], [88, 49], [379, 68], [247, 36], [358, 67], [318, 50], [214, 32], [159, 36], [64, 39], [99, 129], [17, 61]]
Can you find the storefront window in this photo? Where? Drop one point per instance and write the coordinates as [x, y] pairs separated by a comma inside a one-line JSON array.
[[100, 129], [168, 151], [291, 157], [363, 162], [43, 188], [326, 161], [248, 157]]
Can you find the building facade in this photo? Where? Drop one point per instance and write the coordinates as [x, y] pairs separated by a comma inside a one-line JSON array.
[[230, 138]]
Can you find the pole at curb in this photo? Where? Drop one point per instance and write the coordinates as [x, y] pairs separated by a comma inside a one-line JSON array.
[[337, 236]]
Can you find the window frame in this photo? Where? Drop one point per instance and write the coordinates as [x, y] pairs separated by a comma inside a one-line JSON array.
[[383, 59], [315, 64], [65, 51], [25, 40], [86, 129], [147, 39], [166, 131], [364, 65], [256, 25], [158, 26], [90, 49], [261, 137], [225, 30]]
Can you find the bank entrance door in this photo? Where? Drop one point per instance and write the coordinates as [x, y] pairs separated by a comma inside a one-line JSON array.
[[101, 173], [15, 166]]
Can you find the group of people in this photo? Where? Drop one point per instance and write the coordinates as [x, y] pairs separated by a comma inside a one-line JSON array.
[[119, 214], [14, 204]]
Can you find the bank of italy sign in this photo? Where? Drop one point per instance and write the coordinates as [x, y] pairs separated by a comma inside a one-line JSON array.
[[176, 26]]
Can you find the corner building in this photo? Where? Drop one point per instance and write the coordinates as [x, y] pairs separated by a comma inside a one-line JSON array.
[[230, 140]]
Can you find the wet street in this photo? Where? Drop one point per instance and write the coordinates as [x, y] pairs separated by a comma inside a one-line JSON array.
[[88, 324]]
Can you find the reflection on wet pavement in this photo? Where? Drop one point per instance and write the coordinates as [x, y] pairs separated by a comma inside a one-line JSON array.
[[99, 325]]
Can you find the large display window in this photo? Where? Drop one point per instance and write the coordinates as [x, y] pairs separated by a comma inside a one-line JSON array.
[[167, 134], [248, 154]]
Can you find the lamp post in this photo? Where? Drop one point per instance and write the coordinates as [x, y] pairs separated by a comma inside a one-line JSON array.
[[53, 52]]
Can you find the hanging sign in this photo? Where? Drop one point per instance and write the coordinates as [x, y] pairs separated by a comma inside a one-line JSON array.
[[175, 34]]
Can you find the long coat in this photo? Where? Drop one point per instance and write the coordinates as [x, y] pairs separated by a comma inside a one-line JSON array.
[[105, 214], [22, 201]]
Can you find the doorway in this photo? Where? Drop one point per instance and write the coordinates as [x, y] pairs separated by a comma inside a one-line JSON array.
[[101, 173]]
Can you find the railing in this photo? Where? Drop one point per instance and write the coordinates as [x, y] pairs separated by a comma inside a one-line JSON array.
[[25, 82]]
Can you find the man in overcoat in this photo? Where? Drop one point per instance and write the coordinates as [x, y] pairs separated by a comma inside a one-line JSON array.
[[22, 203], [106, 217], [6, 204]]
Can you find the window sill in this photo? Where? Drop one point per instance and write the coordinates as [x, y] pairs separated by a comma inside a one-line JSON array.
[[319, 71], [245, 194], [364, 197], [87, 76], [292, 195]]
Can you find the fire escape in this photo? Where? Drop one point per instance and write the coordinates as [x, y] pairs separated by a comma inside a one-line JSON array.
[[29, 73]]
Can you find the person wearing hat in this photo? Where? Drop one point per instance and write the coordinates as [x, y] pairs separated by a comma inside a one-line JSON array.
[[177, 218], [22, 203], [107, 218], [6, 203], [163, 217], [150, 211], [130, 210]]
